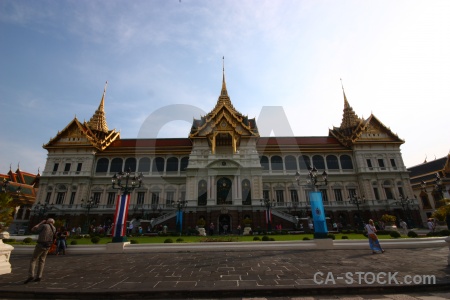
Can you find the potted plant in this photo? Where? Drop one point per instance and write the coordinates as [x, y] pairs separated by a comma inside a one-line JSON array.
[[389, 222]]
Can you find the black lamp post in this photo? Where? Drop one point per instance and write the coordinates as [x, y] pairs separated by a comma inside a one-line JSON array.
[[268, 204], [317, 209], [4, 186], [180, 205], [126, 183], [355, 200], [438, 186], [88, 204], [41, 209], [404, 203]]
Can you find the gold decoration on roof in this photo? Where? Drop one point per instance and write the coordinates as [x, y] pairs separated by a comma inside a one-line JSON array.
[[98, 120]]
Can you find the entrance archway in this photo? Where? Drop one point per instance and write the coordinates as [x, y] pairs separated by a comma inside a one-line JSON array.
[[224, 224], [224, 191]]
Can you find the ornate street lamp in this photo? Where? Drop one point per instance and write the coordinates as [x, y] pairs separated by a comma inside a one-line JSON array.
[[355, 200], [439, 186], [405, 203], [126, 183], [42, 209], [268, 205], [180, 206], [88, 205], [315, 197]]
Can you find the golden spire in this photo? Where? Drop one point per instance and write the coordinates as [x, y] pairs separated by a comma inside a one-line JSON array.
[[349, 118], [224, 85], [98, 120]]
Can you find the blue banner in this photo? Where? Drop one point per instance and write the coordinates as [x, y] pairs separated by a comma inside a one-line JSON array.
[[180, 219], [318, 213]]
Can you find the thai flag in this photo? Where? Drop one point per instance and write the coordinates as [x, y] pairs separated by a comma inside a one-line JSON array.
[[120, 216], [268, 216]]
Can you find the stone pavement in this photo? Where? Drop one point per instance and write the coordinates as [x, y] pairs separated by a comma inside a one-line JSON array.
[[234, 273]]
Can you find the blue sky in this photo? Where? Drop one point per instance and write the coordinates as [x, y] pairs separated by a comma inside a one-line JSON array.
[[55, 57]]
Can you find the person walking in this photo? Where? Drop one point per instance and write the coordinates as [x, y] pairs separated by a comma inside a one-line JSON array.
[[46, 232], [374, 243], [404, 227], [61, 240]]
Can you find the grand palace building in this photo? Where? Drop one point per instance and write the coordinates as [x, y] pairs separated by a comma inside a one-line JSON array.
[[224, 172]]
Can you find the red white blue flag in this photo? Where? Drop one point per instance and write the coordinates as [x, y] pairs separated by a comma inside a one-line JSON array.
[[120, 216], [268, 215]]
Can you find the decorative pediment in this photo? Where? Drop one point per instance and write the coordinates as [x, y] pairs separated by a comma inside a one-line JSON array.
[[223, 164]]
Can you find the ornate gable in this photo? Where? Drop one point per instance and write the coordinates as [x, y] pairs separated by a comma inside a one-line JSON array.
[[357, 130], [224, 125], [93, 133]]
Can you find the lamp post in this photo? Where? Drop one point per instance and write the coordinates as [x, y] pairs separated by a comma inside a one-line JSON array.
[[355, 200], [438, 186], [180, 205], [315, 197], [404, 203], [42, 209], [120, 217], [88, 204], [268, 205]]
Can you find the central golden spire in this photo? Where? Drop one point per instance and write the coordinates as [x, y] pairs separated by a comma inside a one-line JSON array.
[[98, 120], [224, 85]]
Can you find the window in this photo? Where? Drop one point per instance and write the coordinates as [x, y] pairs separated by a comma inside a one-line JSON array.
[[332, 162], [67, 167], [170, 197], [276, 162], [346, 162], [388, 192], [130, 163], [264, 162], [369, 163], [155, 198], [352, 193], [96, 197], [48, 197], [338, 195], [280, 196], [116, 165], [376, 193], [381, 163], [294, 196], [140, 198], [55, 167], [72, 198], [60, 197], [144, 165], [79, 165], [246, 192], [172, 164], [324, 196], [202, 192], [290, 163], [266, 194], [183, 195], [400, 192], [184, 163], [102, 165], [158, 165], [111, 199], [304, 162], [319, 162], [393, 163]]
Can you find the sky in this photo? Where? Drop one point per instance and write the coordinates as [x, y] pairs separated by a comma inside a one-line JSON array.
[[55, 57]]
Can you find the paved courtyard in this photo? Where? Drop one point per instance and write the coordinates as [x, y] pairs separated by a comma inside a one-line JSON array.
[[235, 274]]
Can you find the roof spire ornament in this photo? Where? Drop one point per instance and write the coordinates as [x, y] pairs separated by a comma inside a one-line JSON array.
[[349, 118], [224, 85], [98, 120]]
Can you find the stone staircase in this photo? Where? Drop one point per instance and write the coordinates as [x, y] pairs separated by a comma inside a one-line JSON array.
[[285, 216]]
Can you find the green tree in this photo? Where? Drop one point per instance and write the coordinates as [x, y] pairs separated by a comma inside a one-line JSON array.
[[443, 210], [6, 210]]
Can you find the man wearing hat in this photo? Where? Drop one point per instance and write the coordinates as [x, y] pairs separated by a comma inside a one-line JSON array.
[[46, 232]]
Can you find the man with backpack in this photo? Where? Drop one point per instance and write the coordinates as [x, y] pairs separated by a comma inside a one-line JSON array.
[[46, 232]]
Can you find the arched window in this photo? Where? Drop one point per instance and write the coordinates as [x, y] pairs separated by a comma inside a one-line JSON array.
[[264, 162], [102, 165], [144, 165], [276, 162], [184, 163], [318, 162], [172, 164], [158, 165], [202, 195], [304, 162], [290, 163], [346, 162], [332, 162], [246, 192], [116, 165], [130, 163]]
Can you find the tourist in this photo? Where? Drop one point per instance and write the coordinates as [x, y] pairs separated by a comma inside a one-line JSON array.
[[404, 227], [46, 232], [374, 243]]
